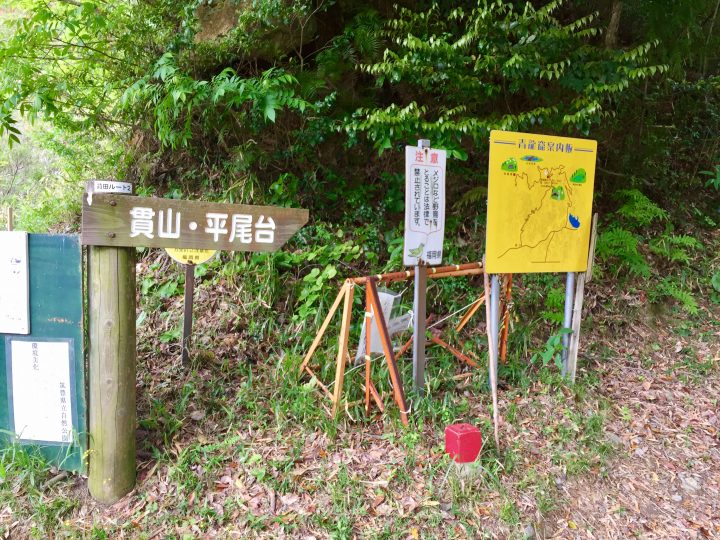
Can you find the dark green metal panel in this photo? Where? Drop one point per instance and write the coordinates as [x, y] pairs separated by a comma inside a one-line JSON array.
[[56, 313]]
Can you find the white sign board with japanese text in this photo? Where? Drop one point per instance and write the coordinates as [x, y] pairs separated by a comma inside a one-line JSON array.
[[424, 205], [14, 291], [41, 391]]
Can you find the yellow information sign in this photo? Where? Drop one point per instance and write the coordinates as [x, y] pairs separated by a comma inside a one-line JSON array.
[[191, 256], [540, 190]]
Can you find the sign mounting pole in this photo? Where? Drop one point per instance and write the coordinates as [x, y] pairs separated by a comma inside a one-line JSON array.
[[495, 318], [419, 327], [188, 311]]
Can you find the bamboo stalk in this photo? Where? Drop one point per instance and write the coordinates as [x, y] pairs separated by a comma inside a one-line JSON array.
[[319, 383], [506, 319], [433, 272], [376, 397], [323, 328], [469, 313], [455, 352], [402, 350], [343, 347], [387, 349]]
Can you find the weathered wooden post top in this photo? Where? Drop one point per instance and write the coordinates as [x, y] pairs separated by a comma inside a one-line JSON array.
[[113, 223]]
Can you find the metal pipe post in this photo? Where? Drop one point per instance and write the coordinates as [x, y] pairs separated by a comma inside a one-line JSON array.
[[419, 328], [495, 315], [567, 320]]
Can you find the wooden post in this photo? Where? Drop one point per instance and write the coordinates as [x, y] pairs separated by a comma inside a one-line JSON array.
[[10, 224], [583, 278], [111, 371]]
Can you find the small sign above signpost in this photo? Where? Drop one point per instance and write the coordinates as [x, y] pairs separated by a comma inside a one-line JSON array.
[[191, 256], [424, 205], [107, 186]]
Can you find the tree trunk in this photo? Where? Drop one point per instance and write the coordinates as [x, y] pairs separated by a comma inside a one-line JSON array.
[[611, 36]]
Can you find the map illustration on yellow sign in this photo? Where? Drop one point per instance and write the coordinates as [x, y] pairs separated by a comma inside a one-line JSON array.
[[540, 190]]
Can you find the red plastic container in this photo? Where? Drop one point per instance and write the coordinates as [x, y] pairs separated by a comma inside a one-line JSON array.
[[463, 442]]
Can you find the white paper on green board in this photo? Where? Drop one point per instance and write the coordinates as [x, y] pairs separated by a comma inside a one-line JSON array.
[[14, 292], [41, 391]]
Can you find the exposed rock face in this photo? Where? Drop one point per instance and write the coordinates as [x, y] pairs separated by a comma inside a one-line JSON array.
[[218, 19]]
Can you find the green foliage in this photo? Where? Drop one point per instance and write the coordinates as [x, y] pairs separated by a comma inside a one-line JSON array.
[[70, 62], [675, 248], [181, 103], [715, 281], [553, 350], [638, 210], [324, 258], [554, 305], [464, 64], [620, 246], [714, 178], [671, 288]]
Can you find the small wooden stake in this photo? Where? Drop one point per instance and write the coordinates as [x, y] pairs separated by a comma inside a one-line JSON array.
[[591, 251], [10, 224], [111, 373], [342, 354], [188, 311]]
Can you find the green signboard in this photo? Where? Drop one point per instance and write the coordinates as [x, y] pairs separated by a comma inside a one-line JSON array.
[[43, 404]]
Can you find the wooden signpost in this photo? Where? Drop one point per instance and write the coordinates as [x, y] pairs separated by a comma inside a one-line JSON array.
[[113, 224]]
